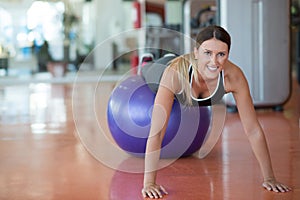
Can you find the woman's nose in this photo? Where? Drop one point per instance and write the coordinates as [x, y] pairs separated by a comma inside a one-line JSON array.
[[213, 59]]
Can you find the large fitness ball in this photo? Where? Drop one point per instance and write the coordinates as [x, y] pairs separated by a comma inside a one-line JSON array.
[[129, 118]]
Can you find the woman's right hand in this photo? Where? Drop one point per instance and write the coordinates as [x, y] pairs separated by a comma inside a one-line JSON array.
[[154, 191]]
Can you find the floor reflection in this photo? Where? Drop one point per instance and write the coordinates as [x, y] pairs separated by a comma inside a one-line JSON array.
[[38, 163], [187, 178], [41, 105]]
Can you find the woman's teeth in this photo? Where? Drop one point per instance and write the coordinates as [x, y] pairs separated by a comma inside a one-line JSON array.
[[212, 68]]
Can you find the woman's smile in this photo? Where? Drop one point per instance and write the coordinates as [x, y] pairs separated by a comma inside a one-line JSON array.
[[212, 68]]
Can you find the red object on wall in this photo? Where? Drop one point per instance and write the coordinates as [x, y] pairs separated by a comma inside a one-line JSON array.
[[137, 7], [134, 62]]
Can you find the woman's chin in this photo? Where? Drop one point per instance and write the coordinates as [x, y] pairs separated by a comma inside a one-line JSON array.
[[212, 74]]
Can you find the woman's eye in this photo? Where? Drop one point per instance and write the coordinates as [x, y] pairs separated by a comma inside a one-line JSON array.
[[207, 53], [221, 54]]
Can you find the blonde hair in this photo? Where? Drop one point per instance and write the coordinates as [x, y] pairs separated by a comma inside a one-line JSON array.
[[181, 65]]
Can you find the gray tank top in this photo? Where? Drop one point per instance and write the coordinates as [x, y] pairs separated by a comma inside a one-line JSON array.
[[152, 73]]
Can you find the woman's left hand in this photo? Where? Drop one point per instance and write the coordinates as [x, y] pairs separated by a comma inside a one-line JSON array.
[[273, 185]]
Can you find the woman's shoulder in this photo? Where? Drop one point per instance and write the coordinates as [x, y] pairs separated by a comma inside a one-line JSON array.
[[232, 70], [176, 72], [232, 66], [233, 76]]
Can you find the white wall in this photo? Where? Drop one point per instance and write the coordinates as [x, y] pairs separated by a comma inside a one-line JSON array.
[[112, 17], [173, 12]]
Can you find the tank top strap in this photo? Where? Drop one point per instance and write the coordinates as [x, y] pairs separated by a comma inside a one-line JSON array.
[[190, 73]]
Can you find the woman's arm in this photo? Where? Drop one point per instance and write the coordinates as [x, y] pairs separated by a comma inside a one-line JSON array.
[[240, 89], [160, 116]]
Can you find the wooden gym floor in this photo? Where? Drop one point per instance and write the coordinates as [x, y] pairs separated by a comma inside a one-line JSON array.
[[42, 155]]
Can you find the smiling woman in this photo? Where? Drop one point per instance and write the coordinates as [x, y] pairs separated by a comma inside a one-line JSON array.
[[202, 75]]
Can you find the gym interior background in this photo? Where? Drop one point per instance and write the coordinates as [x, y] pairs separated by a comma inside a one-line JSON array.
[[37, 32], [48, 45]]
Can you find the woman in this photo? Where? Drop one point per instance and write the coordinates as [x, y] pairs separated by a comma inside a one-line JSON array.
[[203, 77]]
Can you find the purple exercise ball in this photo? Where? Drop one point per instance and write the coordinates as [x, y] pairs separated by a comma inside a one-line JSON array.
[[129, 118]]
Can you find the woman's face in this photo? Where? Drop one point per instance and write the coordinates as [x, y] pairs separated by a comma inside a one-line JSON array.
[[211, 57]]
